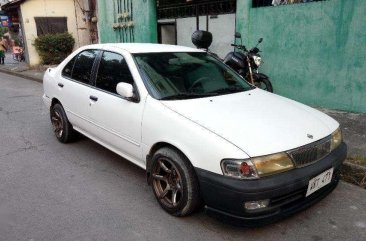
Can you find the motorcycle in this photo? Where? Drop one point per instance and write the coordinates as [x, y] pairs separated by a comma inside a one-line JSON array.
[[245, 62]]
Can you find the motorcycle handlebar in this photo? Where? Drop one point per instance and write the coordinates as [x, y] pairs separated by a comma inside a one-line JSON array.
[[239, 46]]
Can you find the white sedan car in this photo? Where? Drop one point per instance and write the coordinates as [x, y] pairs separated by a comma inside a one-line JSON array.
[[201, 132]]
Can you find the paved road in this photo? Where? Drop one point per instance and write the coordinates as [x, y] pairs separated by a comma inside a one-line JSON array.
[[82, 191]]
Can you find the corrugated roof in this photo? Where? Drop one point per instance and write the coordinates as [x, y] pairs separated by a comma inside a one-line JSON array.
[[12, 4]]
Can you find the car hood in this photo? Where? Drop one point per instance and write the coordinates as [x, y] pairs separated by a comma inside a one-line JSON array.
[[257, 122]]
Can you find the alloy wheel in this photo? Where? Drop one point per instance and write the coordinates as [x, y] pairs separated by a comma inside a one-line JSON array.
[[57, 123], [167, 183]]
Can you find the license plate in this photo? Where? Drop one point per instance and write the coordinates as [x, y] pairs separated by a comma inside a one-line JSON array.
[[319, 181]]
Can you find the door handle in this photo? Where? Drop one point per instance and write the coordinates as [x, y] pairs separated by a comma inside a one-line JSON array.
[[61, 85], [93, 98]]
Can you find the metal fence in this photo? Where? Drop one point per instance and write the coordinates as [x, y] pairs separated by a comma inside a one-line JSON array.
[[191, 9]]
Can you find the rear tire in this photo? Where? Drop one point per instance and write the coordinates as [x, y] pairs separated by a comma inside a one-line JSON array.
[[62, 128], [174, 182]]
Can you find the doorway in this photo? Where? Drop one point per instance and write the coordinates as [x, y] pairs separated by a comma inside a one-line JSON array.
[[178, 19], [167, 32]]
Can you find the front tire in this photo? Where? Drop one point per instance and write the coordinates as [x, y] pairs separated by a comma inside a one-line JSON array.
[[174, 182], [264, 84], [61, 126]]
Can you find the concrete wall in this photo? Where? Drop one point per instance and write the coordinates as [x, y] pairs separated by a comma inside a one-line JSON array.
[[144, 21], [222, 29], [55, 8], [314, 52]]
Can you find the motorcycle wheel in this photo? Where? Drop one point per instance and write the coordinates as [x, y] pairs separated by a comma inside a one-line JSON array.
[[264, 84]]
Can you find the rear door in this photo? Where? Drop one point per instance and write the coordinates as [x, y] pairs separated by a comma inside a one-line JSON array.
[[75, 88]]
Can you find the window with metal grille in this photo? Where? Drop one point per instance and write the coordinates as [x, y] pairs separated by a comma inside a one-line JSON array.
[[184, 8], [46, 25]]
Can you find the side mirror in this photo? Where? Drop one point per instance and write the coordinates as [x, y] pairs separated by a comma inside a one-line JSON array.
[[260, 40], [125, 90], [237, 35]]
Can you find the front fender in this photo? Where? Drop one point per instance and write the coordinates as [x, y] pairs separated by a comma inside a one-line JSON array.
[[260, 76], [202, 147]]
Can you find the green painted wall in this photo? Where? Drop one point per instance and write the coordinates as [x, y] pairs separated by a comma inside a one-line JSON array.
[[113, 26], [313, 52]]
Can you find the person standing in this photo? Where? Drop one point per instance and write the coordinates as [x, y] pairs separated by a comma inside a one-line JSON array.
[[2, 51]]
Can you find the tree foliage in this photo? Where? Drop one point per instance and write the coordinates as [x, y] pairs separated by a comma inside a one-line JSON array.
[[53, 48], [3, 31]]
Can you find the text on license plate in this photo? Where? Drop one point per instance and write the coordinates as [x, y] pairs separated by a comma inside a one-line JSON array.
[[319, 181]]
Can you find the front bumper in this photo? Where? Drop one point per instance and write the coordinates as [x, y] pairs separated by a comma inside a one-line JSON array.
[[224, 196]]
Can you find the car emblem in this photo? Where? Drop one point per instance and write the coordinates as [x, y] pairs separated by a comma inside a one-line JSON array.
[[310, 136]]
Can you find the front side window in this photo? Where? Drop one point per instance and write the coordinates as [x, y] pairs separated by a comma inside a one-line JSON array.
[[113, 69], [188, 75], [83, 66]]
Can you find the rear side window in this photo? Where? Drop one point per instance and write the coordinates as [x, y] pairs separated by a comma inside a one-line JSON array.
[[83, 66], [113, 69], [67, 71]]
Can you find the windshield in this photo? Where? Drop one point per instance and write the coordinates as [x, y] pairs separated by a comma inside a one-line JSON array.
[[188, 75]]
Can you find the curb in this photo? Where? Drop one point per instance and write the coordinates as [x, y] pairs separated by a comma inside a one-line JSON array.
[[355, 166], [20, 75], [354, 174]]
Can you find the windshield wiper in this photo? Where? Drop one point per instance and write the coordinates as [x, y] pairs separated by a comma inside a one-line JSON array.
[[191, 95], [227, 90], [182, 96]]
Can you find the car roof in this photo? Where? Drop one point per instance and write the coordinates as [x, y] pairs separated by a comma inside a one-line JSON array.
[[148, 47]]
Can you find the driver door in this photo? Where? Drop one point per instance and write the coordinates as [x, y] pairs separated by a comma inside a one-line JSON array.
[[118, 119]]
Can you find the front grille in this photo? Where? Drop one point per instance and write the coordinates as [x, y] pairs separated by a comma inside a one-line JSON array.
[[311, 153], [288, 198]]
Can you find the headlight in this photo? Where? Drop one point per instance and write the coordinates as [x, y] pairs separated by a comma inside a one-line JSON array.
[[336, 139], [257, 60], [272, 164], [257, 167]]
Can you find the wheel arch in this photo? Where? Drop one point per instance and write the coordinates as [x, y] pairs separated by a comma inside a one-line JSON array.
[[55, 101], [155, 148]]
